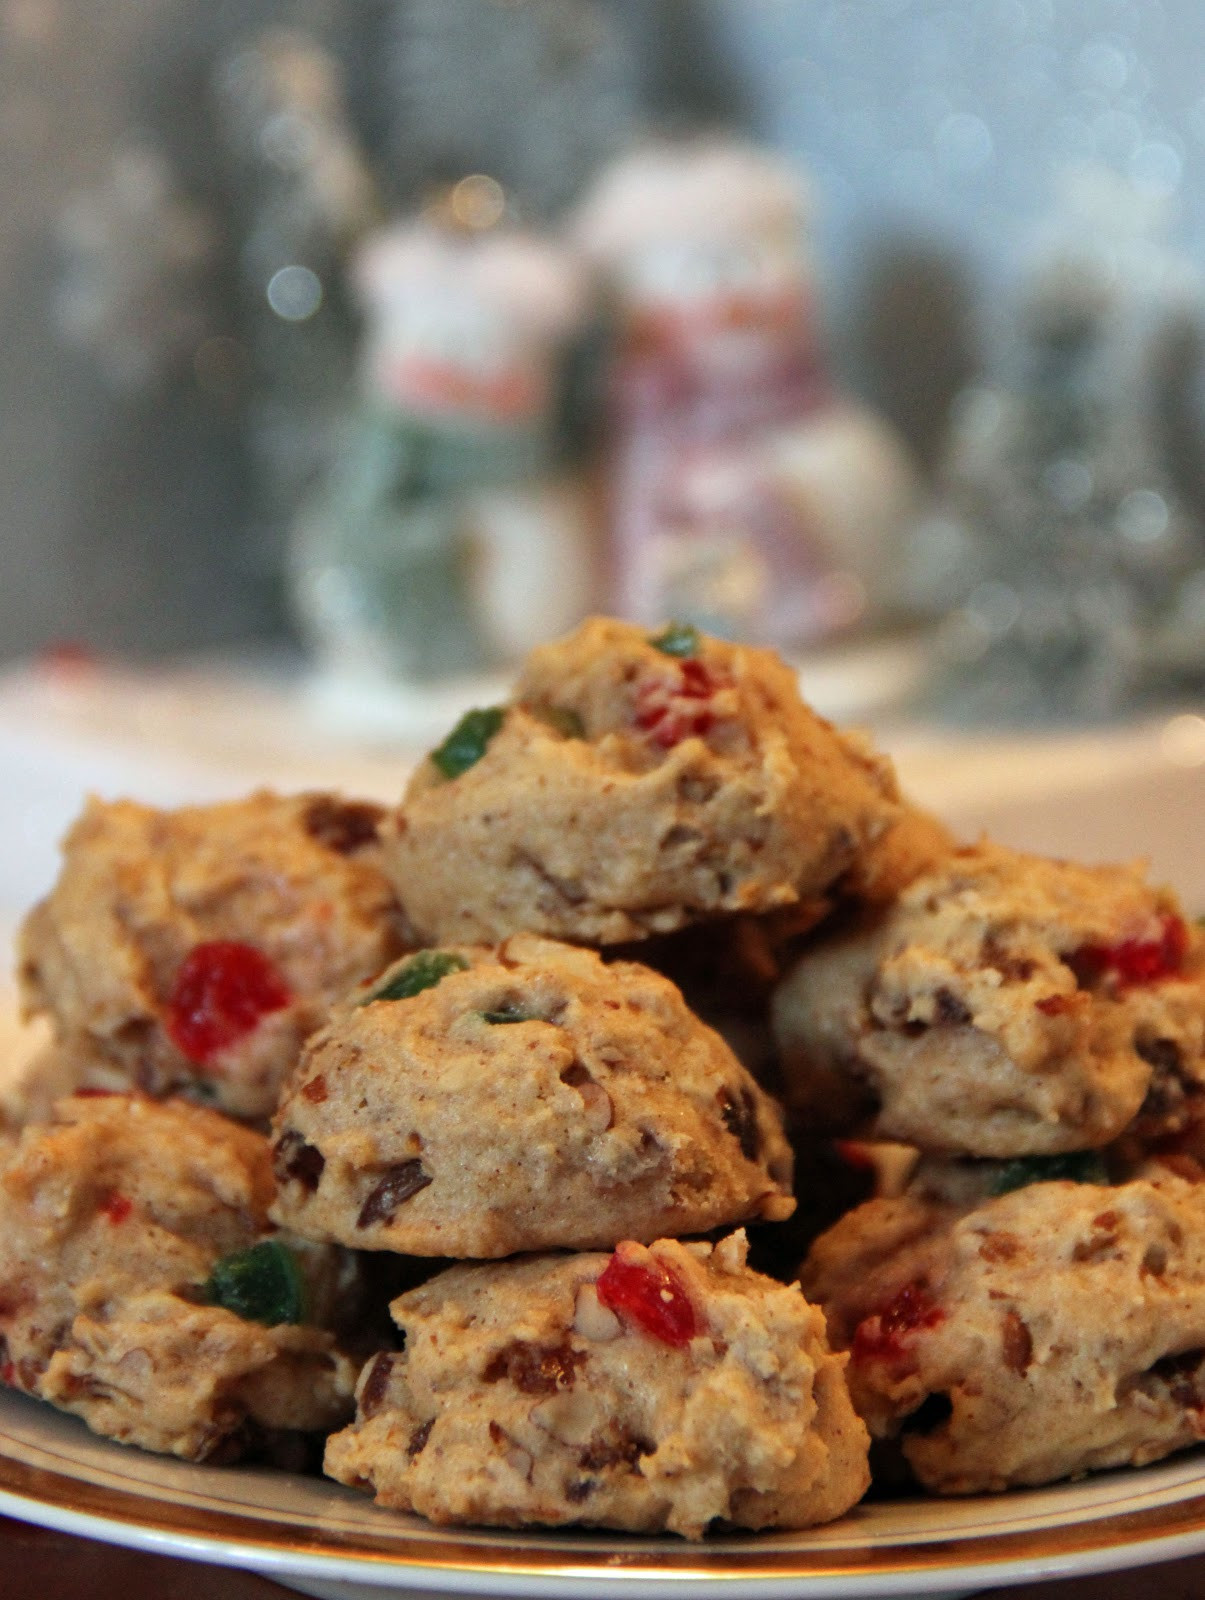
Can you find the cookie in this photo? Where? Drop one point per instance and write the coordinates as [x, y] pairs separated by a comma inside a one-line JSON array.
[[666, 1387], [197, 948], [636, 784], [1055, 1329], [915, 843], [1003, 1004], [478, 1101], [143, 1289]]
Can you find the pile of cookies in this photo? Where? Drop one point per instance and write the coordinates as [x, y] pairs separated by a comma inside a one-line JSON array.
[[512, 1049]]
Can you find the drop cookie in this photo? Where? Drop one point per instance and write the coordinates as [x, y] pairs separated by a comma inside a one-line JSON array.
[[1003, 1004], [143, 1289], [665, 1387], [637, 783], [478, 1101], [1054, 1329], [195, 949]]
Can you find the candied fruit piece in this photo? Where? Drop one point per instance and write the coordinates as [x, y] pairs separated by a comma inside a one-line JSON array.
[[1134, 962], [649, 1294], [468, 741], [670, 709], [221, 993], [1073, 1166], [262, 1284], [678, 639], [116, 1207], [882, 1335], [421, 971]]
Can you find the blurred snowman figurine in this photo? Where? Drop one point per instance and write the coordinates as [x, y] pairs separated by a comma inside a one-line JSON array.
[[746, 493]]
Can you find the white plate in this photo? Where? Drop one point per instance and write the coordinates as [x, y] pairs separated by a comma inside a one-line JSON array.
[[328, 1541]]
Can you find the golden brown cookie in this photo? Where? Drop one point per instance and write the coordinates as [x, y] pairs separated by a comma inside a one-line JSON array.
[[142, 1286], [660, 1388], [1050, 1330], [197, 948], [638, 782], [478, 1101], [1004, 1004]]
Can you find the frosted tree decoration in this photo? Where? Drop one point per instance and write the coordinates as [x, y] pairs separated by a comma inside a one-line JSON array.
[[303, 195], [303, 180], [135, 283], [1073, 566]]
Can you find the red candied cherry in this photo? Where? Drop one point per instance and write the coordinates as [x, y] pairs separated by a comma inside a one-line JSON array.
[[116, 1207], [648, 1293], [881, 1336], [1134, 962], [222, 991], [676, 707]]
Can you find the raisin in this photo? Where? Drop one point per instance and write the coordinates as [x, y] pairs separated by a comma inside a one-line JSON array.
[[649, 1294], [1167, 1091], [222, 991], [618, 1447], [375, 1384], [535, 1368], [949, 1010], [1182, 1376], [343, 826], [739, 1116], [398, 1185], [418, 1439], [293, 1158]]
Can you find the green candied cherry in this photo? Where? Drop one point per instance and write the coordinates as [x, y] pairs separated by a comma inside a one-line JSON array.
[[421, 971], [678, 639], [1077, 1166], [468, 741], [262, 1284]]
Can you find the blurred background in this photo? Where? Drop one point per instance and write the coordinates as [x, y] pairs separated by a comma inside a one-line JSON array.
[[393, 335]]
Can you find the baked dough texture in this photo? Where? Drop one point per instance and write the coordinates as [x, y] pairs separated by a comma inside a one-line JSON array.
[[533, 1098], [1004, 1004], [1048, 1332], [629, 792], [114, 1217], [296, 878], [522, 1398]]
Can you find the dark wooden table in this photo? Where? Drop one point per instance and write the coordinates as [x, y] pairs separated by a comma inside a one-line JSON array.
[[36, 1564]]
